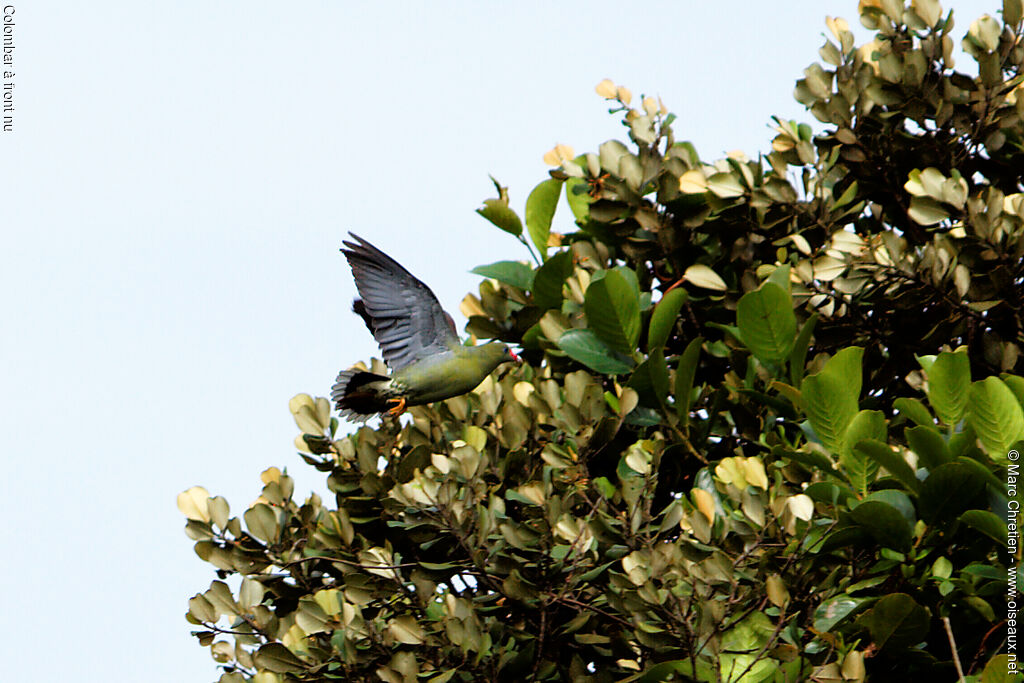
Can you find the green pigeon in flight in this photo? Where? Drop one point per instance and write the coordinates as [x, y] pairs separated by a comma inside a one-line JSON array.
[[417, 338]]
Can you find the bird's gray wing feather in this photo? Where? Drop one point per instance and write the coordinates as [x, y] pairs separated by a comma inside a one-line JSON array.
[[404, 315]]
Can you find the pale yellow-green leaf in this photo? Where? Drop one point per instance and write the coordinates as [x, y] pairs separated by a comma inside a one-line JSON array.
[[730, 472], [377, 561], [705, 503], [650, 106], [801, 506], [250, 593], [693, 182], [702, 276], [606, 89], [219, 510], [329, 601], [467, 460], [323, 412], [222, 651], [533, 492], [753, 472], [636, 567], [926, 211], [631, 171], [406, 630], [299, 400], [775, 587], [848, 242], [311, 618], [476, 437], [628, 400], [522, 391], [441, 462], [801, 243], [202, 609], [930, 11], [725, 185], [853, 666], [305, 420], [638, 459], [194, 503], [962, 279], [559, 155], [610, 153], [470, 306], [783, 143], [827, 268], [985, 32]]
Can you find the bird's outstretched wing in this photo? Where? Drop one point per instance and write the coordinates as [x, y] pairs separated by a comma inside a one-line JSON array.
[[402, 312]]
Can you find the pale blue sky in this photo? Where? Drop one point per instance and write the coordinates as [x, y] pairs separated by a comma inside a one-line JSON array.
[[173, 196]]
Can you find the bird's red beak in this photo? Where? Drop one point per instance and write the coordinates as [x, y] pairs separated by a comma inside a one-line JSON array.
[[515, 357]]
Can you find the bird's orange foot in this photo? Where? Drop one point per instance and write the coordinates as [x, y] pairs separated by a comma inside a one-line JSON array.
[[397, 409]]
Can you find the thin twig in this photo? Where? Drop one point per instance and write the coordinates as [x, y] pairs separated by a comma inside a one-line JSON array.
[[952, 646], [577, 603], [349, 563]]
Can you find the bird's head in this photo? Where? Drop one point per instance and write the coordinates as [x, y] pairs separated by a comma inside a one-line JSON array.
[[498, 353]]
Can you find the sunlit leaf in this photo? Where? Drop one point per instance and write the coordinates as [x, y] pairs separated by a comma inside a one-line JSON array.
[[540, 209]]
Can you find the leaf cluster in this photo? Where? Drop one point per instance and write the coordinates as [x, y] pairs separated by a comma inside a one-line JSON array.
[[762, 433]]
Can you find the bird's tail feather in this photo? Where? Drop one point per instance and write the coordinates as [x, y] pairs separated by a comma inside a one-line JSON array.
[[355, 397]]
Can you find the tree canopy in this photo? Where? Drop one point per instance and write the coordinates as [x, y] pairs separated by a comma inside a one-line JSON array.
[[763, 429]]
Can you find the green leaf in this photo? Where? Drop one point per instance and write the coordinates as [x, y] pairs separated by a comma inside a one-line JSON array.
[[899, 500], [830, 408], [949, 381], [664, 316], [798, 356], [587, 348], [812, 460], [830, 397], [949, 490], [987, 523], [612, 304], [725, 185], [914, 411], [862, 470], [927, 211], [885, 524], [577, 194], [880, 452], [262, 522], [279, 659], [781, 277], [540, 209], [685, 372], [896, 621], [1015, 383], [499, 213], [834, 610], [650, 379], [510, 272], [998, 669], [664, 670], [549, 278], [767, 322], [996, 416], [929, 446]]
